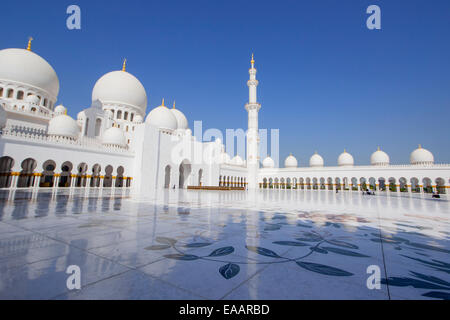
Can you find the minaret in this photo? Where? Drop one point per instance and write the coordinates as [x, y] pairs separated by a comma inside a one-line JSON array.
[[252, 108]]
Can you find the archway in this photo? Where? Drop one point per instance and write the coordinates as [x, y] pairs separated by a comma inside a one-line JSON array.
[[95, 179], [382, 184], [372, 184], [427, 188], [184, 173], [392, 185], [415, 187], [363, 184], [167, 177], [26, 178], [200, 176], [119, 177], [403, 184], [66, 172], [6, 165], [107, 180], [47, 178], [81, 175], [440, 186], [330, 183]]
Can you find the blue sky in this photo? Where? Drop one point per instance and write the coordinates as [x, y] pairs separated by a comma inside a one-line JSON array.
[[326, 81]]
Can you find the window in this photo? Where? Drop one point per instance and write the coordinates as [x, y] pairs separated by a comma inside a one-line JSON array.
[[98, 126], [10, 93], [45, 102], [119, 114], [1, 92], [125, 116], [19, 95], [131, 117]]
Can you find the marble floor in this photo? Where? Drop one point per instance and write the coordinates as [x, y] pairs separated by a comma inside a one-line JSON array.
[[271, 244]]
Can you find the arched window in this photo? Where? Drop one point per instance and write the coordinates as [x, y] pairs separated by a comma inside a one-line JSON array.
[[119, 114], [45, 102], [131, 117], [98, 126], [125, 115], [1, 92], [20, 95], [10, 93]]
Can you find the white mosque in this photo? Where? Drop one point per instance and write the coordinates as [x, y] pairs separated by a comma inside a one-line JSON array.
[[114, 144]]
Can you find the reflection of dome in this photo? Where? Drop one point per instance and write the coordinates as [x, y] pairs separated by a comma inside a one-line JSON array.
[[60, 110], [120, 87], [379, 158], [28, 68], [421, 156], [2, 117], [345, 159], [161, 117], [316, 160], [268, 163], [182, 122], [290, 162], [32, 99], [64, 126], [114, 136], [237, 160]]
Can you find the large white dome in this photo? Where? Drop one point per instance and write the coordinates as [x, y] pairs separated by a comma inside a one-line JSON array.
[[316, 160], [379, 158], [268, 163], [421, 156], [161, 117], [28, 68], [290, 162], [182, 122], [120, 87], [345, 159], [114, 136], [64, 126]]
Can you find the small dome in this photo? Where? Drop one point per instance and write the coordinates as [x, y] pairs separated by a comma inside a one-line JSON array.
[[138, 118], [161, 117], [421, 156], [237, 160], [32, 99], [182, 122], [268, 163], [3, 117], [290, 162], [345, 159], [28, 68], [379, 158], [316, 160], [225, 157], [64, 126], [81, 115], [120, 87], [114, 136], [60, 110]]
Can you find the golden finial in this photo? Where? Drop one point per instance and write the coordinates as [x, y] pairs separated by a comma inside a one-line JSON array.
[[378, 149], [253, 60], [162, 104], [420, 146], [345, 150], [124, 66], [29, 43], [173, 104]]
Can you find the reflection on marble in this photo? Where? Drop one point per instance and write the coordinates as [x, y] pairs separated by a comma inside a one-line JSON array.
[[270, 244]]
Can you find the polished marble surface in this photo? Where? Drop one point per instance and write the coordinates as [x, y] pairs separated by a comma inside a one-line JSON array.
[[270, 244]]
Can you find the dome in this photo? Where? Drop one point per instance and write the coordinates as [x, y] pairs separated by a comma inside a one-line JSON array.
[[182, 122], [379, 158], [63, 125], [114, 136], [345, 159], [120, 87], [3, 117], [237, 160], [32, 99], [81, 115], [290, 162], [268, 163], [421, 156], [60, 110], [161, 117], [316, 160], [28, 68]]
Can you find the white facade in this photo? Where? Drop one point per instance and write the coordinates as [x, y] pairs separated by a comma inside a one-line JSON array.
[[114, 144]]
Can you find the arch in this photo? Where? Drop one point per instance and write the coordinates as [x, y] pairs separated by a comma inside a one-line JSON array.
[[66, 175], [98, 126], [6, 165], [440, 186], [81, 175], [322, 184], [308, 183], [382, 184], [26, 178], [338, 184], [363, 184], [372, 184], [270, 183], [119, 177], [415, 186], [294, 183], [315, 184], [392, 185], [403, 184], [10, 93], [330, 183], [107, 180], [184, 173], [95, 178], [354, 182], [19, 95], [167, 177], [48, 174], [302, 183], [427, 187], [265, 183], [200, 176], [119, 114], [1, 91]]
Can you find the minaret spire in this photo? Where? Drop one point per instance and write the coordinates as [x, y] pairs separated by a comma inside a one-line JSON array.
[[29, 43], [124, 66]]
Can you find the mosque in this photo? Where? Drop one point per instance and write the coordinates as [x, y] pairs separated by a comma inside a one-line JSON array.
[[115, 144]]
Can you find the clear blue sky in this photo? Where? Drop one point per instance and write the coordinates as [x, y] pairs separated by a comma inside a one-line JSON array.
[[326, 81]]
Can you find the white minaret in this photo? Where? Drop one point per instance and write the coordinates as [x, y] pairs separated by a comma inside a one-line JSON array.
[[252, 108]]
